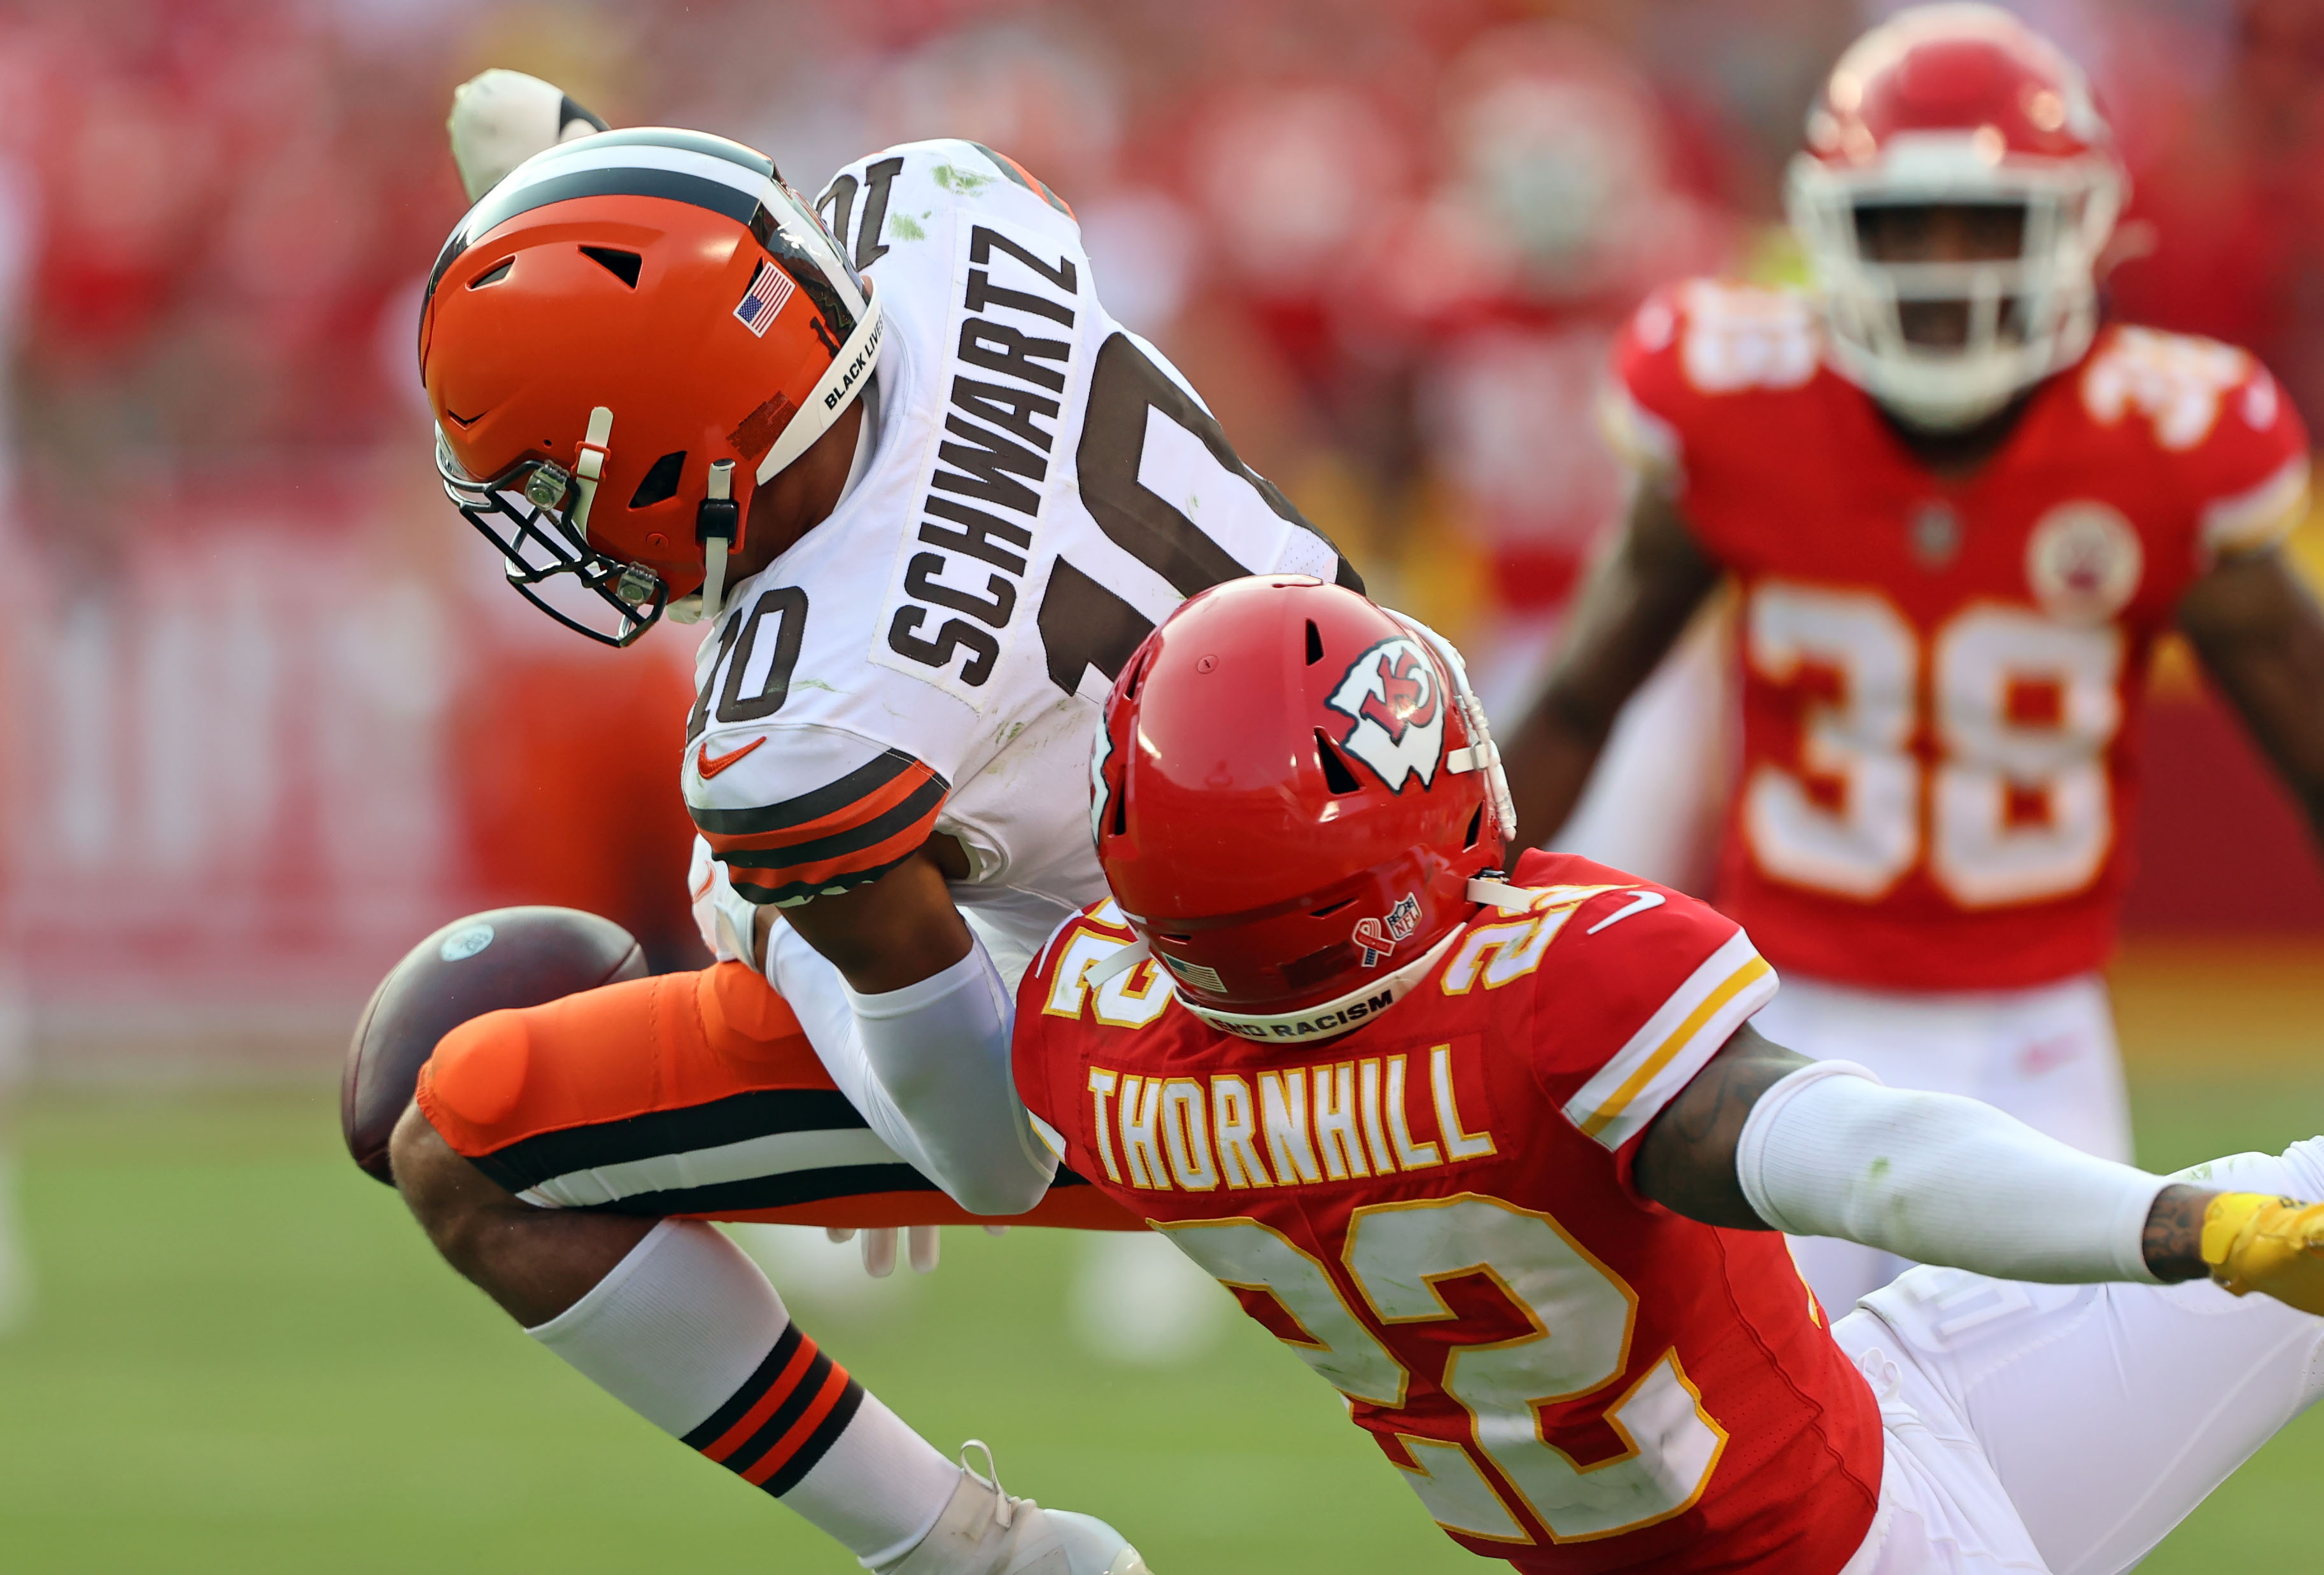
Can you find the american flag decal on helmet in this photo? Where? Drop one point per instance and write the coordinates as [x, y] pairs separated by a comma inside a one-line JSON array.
[[769, 288]]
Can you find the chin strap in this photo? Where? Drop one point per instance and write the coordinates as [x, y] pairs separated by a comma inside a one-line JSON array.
[[1118, 963], [718, 521], [716, 524], [590, 467], [1492, 889]]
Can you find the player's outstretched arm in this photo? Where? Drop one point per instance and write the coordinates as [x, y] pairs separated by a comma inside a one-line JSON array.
[[2261, 635], [1764, 1138], [1686, 1161], [891, 975], [1632, 609]]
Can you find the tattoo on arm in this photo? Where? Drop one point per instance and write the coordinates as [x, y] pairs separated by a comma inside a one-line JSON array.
[[1686, 1161], [2172, 1242]]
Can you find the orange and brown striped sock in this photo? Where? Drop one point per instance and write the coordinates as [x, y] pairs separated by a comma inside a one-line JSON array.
[[687, 1332]]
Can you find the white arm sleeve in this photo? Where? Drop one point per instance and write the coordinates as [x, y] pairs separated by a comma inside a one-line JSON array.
[[1830, 1151], [929, 1067]]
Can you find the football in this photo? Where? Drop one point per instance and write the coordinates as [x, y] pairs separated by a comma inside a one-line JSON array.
[[504, 957]]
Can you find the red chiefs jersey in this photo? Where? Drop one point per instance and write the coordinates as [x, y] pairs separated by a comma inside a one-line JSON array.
[[1941, 679], [1436, 1212]]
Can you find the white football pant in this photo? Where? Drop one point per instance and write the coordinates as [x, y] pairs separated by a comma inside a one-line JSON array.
[[2068, 1428], [2047, 1055]]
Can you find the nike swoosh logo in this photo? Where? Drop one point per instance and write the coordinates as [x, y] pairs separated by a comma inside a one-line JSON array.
[[710, 765]]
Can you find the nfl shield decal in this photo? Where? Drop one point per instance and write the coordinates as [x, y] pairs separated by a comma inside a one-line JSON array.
[[1396, 713]]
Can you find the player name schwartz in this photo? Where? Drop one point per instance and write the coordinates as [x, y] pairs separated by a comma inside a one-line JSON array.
[[1280, 1127]]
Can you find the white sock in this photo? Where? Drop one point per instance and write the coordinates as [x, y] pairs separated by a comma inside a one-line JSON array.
[[687, 1332], [867, 1478]]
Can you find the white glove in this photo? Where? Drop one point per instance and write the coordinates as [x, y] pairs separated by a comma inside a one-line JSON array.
[[727, 920], [502, 118]]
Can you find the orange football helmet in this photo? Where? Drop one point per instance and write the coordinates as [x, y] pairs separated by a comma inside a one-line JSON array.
[[620, 341]]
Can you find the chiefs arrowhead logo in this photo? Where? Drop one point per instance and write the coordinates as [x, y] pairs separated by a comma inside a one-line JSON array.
[[1396, 713]]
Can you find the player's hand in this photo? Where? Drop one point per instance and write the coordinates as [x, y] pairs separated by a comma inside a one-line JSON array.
[[501, 118], [879, 1247], [2255, 1242], [728, 921]]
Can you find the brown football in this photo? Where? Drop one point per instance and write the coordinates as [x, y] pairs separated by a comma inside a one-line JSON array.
[[506, 957]]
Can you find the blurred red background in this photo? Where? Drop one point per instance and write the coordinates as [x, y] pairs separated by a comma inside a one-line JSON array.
[[266, 711]]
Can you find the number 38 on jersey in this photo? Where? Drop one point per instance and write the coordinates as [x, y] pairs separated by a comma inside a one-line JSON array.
[[1977, 752]]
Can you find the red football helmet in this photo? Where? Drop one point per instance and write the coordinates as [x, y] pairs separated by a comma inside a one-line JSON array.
[[1957, 104], [620, 341], [1290, 794]]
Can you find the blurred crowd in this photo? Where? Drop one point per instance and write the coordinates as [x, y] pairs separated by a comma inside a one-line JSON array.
[[1388, 239]]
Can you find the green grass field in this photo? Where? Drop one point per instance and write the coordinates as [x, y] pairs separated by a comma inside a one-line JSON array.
[[246, 1360]]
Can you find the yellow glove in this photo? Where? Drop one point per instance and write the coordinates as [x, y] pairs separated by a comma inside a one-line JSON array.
[[2254, 1242]]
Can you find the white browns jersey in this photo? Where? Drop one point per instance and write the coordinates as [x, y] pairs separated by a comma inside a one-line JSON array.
[[1042, 488]]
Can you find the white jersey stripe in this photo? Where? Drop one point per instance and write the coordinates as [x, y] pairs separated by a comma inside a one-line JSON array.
[[1685, 1031], [778, 1153]]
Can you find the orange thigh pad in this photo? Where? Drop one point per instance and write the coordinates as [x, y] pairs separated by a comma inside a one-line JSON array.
[[693, 1094]]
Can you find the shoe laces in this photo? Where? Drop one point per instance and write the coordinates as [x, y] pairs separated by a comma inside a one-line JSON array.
[[1005, 1510]]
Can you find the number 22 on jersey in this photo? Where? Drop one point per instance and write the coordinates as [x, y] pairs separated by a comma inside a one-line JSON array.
[[1581, 1315], [2020, 711]]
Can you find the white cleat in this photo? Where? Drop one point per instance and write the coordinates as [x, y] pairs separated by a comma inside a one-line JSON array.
[[984, 1532], [1091, 1546], [501, 118]]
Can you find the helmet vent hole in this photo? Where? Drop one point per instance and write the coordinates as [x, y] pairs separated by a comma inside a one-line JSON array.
[[1314, 643], [622, 265], [1121, 817], [660, 483], [1330, 909], [1336, 774], [1313, 969], [495, 277], [1476, 826]]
